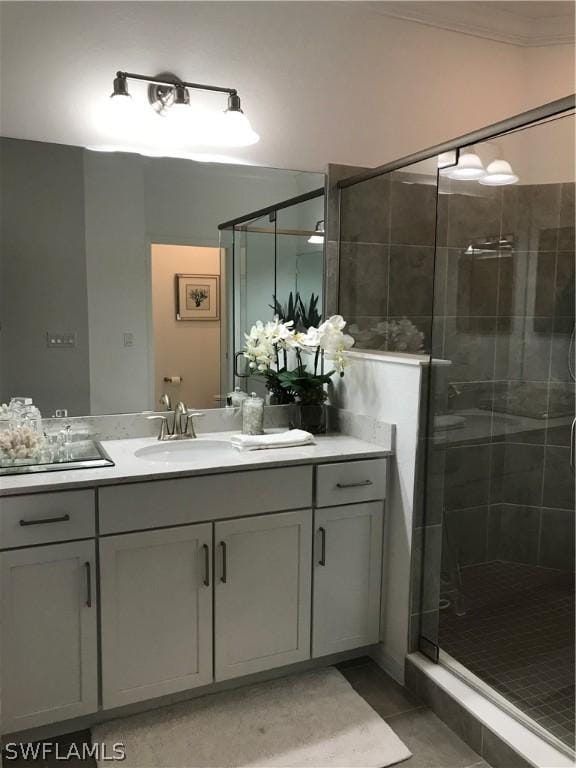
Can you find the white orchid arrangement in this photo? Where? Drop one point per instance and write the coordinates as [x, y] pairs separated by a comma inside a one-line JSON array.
[[268, 346]]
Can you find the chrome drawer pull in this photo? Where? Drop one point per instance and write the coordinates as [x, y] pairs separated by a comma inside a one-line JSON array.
[[45, 520], [206, 565], [322, 560], [354, 485], [88, 584]]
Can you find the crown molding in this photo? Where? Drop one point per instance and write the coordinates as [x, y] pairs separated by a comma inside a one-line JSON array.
[[483, 19]]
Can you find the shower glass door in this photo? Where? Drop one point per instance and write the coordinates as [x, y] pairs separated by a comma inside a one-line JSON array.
[[498, 573]]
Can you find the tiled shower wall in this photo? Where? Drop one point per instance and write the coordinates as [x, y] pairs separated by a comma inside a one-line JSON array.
[[499, 484], [387, 237]]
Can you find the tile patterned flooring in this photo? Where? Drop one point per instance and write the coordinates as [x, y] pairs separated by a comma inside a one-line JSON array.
[[518, 636], [432, 743]]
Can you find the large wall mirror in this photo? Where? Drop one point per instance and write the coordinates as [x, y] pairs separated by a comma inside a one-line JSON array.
[[116, 283]]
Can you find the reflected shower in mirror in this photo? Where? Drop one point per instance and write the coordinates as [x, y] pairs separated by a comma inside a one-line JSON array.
[[114, 290]]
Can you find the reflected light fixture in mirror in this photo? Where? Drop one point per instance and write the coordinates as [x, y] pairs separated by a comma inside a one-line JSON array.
[[318, 236], [169, 97]]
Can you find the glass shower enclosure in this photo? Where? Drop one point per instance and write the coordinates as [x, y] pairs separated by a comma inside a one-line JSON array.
[[274, 258], [467, 257]]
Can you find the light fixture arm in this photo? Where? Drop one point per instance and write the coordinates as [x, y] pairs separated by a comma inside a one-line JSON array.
[[173, 82]]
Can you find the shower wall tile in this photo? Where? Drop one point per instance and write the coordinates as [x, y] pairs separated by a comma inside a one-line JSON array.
[[564, 285], [562, 408], [541, 204], [517, 474], [513, 533], [473, 285], [558, 479], [474, 214], [545, 283], [524, 354], [364, 279], [407, 198], [557, 539], [467, 478], [560, 353], [365, 211], [467, 533], [471, 354], [440, 279], [411, 280], [566, 222]]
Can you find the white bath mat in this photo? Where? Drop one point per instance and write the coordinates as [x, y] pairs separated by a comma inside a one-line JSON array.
[[308, 720]]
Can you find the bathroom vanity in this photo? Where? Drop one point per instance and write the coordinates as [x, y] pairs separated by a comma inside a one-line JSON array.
[[153, 577]]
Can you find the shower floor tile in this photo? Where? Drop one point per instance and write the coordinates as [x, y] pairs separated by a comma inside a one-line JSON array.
[[517, 635]]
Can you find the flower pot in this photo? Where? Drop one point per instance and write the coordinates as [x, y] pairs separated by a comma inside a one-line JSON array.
[[311, 418]]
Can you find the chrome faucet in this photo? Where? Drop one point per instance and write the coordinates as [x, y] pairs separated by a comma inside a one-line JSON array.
[[182, 423]]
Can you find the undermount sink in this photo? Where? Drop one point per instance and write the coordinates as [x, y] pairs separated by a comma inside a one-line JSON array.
[[184, 450]]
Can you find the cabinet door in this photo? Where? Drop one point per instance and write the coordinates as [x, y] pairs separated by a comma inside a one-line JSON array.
[[156, 603], [347, 577], [49, 657], [262, 592]]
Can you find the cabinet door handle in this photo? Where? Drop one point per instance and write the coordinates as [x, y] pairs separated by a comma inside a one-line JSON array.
[[354, 485], [88, 568], [206, 549], [45, 520], [322, 532], [573, 445], [224, 575]]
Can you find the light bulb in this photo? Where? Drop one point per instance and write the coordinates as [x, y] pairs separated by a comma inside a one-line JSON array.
[[232, 129], [469, 168], [318, 237], [498, 174]]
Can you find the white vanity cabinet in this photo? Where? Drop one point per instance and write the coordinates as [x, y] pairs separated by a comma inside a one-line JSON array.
[[262, 592], [48, 643], [200, 579], [347, 577], [156, 603]]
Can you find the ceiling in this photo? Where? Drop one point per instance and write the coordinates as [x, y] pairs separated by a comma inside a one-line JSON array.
[[524, 23]]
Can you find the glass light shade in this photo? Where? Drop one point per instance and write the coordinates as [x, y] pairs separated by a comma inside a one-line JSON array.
[[233, 129], [469, 168], [318, 237], [498, 174]]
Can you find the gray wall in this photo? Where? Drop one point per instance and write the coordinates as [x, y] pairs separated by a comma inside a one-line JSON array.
[[43, 274]]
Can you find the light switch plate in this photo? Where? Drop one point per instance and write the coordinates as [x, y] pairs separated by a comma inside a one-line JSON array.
[[60, 340]]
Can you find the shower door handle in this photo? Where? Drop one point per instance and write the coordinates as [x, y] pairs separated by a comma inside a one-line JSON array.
[[573, 445]]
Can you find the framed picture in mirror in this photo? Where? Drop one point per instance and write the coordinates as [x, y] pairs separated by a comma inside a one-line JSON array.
[[197, 297]]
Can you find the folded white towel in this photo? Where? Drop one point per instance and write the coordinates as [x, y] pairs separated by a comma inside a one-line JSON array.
[[290, 439]]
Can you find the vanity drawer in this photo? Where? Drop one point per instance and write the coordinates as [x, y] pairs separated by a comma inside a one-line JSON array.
[[161, 503], [349, 482], [44, 517]]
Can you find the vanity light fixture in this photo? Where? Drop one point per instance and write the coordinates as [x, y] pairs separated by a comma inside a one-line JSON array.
[[318, 237], [170, 97], [498, 174]]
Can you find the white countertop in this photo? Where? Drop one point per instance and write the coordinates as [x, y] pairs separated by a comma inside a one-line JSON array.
[[130, 468]]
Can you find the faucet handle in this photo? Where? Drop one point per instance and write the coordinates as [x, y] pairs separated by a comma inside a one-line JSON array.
[[190, 416], [163, 434]]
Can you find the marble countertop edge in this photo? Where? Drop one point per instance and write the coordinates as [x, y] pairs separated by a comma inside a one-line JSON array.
[[130, 469]]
